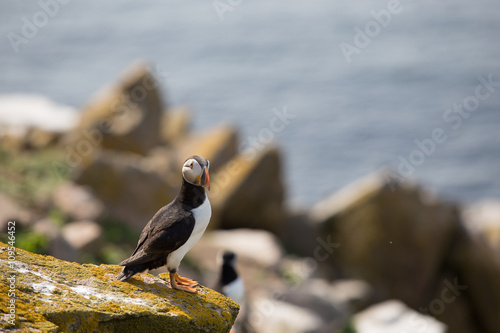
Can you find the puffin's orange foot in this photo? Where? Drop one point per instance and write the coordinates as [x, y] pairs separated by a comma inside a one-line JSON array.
[[185, 281], [184, 288]]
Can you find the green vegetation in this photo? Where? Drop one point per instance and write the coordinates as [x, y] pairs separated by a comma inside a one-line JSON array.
[[120, 242], [29, 177], [28, 240], [348, 328]]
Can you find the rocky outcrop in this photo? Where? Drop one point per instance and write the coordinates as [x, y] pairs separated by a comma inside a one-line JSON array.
[[175, 124], [249, 193], [131, 187], [125, 116], [477, 265], [219, 145], [52, 295], [395, 237]]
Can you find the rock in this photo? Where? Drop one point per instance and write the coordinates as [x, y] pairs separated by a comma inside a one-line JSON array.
[[395, 236], [175, 124], [353, 294], [131, 188], [300, 235], [35, 111], [125, 116], [274, 316], [248, 193], [483, 219], [218, 145], [451, 305], [78, 202], [54, 295], [394, 317], [20, 138], [13, 138], [314, 295], [84, 236], [11, 211], [476, 263], [256, 246], [58, 246], [39, 138]]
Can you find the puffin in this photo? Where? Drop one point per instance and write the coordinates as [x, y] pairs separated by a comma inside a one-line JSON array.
[[230, 284], [175, 228]]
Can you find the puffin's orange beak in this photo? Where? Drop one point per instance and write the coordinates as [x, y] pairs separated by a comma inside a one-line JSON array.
[[205, 178]]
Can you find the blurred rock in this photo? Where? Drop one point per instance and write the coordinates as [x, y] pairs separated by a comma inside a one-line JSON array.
[[248, 193], [129, 185], [353, 294], [393, 235], [175, 124], [483, 219], [38, 138], [395, 317], [84, 236], [451, 305], [218, 145], [58, 246], [13, 138], [256, 246], [11, 211], [78, 202], [164, 161], [274, 316], [299, 233], [125, 116], [478, 268], [314, 295]]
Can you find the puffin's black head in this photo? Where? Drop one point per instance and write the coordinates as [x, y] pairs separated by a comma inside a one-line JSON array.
[[229, 258], [195, 171]]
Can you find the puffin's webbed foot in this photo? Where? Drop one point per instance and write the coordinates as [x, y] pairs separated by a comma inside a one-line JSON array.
[[181, 283]]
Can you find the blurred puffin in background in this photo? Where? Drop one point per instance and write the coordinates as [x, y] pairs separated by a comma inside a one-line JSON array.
[[232, 286]]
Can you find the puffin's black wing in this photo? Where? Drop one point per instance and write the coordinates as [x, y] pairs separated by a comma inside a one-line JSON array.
[[169, 228]]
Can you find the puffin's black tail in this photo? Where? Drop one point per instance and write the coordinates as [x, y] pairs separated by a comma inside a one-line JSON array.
[[129, 271]]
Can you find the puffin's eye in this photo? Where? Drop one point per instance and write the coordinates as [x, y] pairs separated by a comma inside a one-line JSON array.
[[191, 165]]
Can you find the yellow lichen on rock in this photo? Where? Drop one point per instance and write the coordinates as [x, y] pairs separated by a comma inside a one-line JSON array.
[[54, 295]]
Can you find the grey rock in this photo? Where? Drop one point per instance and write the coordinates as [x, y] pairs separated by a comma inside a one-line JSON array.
[[84, 236], [78, 202], [395, 317], [58, 246]]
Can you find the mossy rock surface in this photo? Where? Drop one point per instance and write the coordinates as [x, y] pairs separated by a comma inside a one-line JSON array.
[[53, 295]]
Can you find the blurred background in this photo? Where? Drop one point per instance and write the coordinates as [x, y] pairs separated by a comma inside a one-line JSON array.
[[356, 87], [353, 117]]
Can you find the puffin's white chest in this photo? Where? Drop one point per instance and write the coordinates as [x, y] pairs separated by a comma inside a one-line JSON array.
[[235, 290], [202, 216]]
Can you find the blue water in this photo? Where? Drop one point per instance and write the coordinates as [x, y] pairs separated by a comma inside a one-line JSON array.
[[350, 118]]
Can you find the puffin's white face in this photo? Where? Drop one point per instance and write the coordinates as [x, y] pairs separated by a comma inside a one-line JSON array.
[[196, 174]]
